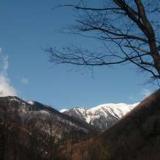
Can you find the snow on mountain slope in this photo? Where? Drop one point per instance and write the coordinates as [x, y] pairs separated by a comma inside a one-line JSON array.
[[102, 116], [42, 117]]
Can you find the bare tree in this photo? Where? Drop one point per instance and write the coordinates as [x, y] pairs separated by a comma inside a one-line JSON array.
[[129, 30]]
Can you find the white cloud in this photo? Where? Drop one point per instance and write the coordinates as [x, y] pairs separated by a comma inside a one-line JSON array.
[[24, 80], [6, 89]]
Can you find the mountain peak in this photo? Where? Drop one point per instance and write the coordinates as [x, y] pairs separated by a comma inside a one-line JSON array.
[[102, 116]]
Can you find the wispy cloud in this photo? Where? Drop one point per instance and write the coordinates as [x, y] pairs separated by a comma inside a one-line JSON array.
[[6, 88], [24, 80], [4, 63], [146, 92]]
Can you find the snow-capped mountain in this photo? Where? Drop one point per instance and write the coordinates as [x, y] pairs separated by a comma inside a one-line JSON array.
[[135, 137], [67, 120], [102, 116]]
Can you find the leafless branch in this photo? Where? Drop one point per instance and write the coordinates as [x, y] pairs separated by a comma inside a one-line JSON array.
[[125, 24]]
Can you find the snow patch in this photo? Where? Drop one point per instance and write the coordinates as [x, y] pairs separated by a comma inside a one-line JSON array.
[[63, 110], [30, 102]]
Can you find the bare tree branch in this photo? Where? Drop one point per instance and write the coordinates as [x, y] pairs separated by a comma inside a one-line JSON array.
[[130, 26]]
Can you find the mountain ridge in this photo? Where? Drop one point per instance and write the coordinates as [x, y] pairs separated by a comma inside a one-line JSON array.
[[102, 116], [23, 108], [135, 136]]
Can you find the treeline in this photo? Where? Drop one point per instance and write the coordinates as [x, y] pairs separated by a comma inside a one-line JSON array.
[[26, 140]]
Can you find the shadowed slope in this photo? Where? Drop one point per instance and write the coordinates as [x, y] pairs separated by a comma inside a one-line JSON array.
[[33, 131], [136, 136]]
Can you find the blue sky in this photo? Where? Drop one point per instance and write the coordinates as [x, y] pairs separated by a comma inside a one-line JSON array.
[[27, 28]]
